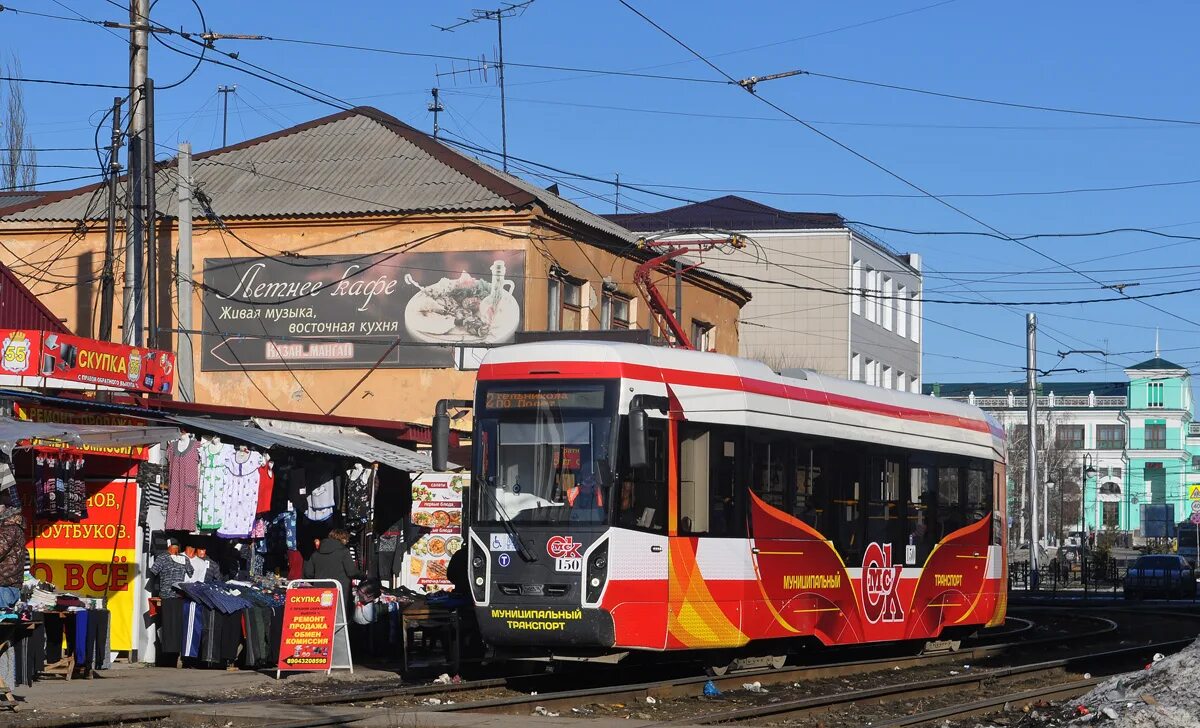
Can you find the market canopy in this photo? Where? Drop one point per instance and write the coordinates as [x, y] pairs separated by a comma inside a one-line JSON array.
[[22, 433], [351, 441], [326, 439]]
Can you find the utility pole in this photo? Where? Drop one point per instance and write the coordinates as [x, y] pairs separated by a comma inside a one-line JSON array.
[[139, 14], [225, 91], [110, 230], [436, 108], [151, 229], [498, 14], [183, 277], [1031, 413], [617, 198]]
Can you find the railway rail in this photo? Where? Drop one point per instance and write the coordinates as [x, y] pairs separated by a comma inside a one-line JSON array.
[[488, 695]]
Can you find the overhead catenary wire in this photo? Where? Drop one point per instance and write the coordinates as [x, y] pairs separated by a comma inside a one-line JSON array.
[[890, 172]]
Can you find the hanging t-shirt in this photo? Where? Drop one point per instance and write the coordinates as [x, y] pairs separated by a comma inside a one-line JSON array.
[[266, 485], [240, 497], [183, 489], [213, 477], [358, 495], [322, 494]]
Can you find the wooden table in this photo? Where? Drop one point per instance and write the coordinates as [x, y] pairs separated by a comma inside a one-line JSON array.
[[425, 618]]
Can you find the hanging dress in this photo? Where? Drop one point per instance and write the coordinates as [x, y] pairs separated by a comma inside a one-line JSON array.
[[213, 477], [183, 496], [240, 498]]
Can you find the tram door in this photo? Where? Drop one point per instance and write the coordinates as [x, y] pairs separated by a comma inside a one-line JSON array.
[[710, 569]]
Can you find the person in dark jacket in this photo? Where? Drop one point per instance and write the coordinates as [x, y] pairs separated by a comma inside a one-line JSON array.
[[12, 556], [332, 560]]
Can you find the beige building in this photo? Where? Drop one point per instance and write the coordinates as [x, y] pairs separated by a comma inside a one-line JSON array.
[[352, 265], [826, 297]]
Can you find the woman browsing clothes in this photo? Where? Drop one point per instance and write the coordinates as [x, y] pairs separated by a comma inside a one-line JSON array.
[[12, 556]]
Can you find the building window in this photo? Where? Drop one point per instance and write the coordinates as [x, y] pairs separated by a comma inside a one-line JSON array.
[[856, 368], [572, 306], [1021, 434], [901, 384], [886, 305], [1154, 394], [871, 303], [870, 368], [1116, 472], [703, 336], [1196, 462], [914, 309], [901, 304], [915, 386], [614, 310], [1069, 437], [856, 283], [1112, 515], [887, 378], [1103, 472], [1156, 437], [1110, 437]]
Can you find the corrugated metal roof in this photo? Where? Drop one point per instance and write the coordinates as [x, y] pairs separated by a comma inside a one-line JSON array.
[[21, 309], [13, 198], [351, 441], [728, 213], [336, 441]]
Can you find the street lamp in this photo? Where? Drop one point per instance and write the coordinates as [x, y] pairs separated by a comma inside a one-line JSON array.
[[1085, 471]]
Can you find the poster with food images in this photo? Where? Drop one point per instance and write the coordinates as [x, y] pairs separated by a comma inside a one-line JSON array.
[[437, 510]]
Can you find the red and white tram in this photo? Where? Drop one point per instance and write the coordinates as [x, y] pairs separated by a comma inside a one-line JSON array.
[[629, 497]]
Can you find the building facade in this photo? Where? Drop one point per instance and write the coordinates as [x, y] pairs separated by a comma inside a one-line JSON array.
[[1138, 435], [352, 265], [827, 297]]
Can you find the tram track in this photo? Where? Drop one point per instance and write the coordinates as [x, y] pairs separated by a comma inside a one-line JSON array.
[[480, 696]]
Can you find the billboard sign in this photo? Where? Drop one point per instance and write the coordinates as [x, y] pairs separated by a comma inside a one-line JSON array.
[[67, 358], [358, 311]]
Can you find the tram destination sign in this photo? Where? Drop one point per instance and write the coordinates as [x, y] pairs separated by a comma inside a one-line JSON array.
[[534, 399], [358, 311]]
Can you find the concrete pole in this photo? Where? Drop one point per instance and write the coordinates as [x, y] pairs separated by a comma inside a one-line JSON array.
[[1031, 413], [183, 278], [139, 13], [110, 231]]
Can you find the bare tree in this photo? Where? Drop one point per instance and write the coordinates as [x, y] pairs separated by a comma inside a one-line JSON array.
[[1057, 463], [780, 359], [20, 161]]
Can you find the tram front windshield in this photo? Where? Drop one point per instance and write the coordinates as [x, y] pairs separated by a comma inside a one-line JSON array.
[[544, 452]]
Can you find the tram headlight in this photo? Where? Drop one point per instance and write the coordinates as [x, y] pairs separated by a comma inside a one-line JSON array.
[[597, 573], [479, 572]]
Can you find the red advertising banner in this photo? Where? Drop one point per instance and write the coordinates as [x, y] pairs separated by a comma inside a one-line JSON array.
[[39, 413], [309, 617], [76, 359], [111, 520]]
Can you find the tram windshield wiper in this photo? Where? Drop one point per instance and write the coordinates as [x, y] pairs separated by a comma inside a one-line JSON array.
[[510, 527]]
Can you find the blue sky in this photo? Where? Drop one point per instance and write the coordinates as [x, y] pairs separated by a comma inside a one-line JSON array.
[[1105, 56]]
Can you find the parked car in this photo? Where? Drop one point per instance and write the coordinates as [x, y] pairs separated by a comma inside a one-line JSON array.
[[1165, 574]]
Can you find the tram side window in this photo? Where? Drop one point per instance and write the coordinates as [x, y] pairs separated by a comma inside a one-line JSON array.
[[708, 482], [884, 524], [922, 510], [808, 500], [950, 503], [840, 483], [641, 501], [770, 464], [978, 503]]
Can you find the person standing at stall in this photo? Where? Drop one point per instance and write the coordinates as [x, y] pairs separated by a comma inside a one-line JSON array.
[[332, 560], [13, 556]]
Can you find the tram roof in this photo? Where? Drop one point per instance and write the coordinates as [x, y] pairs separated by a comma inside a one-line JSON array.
[[850, 404]]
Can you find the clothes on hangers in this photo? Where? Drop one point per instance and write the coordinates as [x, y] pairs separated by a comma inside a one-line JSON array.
[[183, 484], [213, 476], [266, 484], [357, 503], [239, 499]]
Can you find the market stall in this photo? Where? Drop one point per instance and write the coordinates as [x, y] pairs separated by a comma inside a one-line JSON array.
[[72, 487]]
